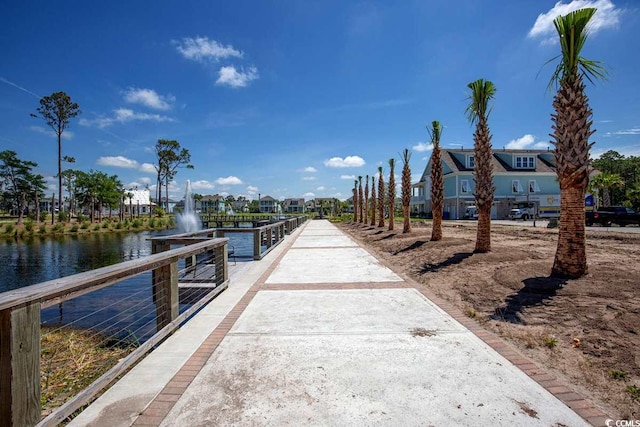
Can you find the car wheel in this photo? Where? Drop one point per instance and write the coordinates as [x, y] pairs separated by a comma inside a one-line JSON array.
[[525, 217]]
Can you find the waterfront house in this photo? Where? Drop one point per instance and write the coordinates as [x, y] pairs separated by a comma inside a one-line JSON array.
[[519, 176], [267, 204], [293, 205], [211, 204]]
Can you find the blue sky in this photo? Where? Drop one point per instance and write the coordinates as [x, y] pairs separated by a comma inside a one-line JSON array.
[[296, 98]]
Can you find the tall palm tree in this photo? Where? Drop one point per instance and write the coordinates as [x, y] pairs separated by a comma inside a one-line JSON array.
[[391, 193], [366, 200], [571, 132], [380, 197], [360, 199], [355, 200], [406, 190], [437, 182], [374, 204], [482, 91], [605, 182]]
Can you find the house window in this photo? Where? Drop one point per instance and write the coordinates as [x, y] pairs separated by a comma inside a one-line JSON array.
[[533, 186], [525, 162], [471, 162], [464, 186], [516, 187]]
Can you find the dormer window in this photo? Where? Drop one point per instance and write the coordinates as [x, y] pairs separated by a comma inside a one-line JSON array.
[[471, 163], [525, 162]]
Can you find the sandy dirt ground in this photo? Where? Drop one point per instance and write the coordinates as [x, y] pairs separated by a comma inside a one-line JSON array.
[[586, 331]]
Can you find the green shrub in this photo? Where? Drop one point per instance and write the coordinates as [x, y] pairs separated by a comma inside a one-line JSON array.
[[74, 228], [84, 225], [42, 229], [159, 212], [8, 228], [105, 224], [58, 227], [28, 225], [82, 218], [136, 223], [44, 216], [96, 227], [151, 223], [550, 342], [618, 374], [634, 392], [119, 225], [62, 216]]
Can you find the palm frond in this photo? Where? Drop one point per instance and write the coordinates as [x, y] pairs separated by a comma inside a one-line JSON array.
[[435, 131], [572, 30], [482, 91]]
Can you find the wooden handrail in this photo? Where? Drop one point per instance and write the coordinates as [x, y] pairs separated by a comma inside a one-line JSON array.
[[101, 277]]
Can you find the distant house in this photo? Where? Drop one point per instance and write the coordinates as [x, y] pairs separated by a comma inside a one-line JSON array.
[[519, 176], [138, 204], [293, 205], [267, 204], [168, 205], [211, 204]]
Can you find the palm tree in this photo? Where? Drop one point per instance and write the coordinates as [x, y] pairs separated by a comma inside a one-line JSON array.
[[437, 183], [380, 197], [374, 205], [482, 91], [605, 182], [360, 197], [571, 132], [391, 202], [355, 200], [366, 200], [406, 190]]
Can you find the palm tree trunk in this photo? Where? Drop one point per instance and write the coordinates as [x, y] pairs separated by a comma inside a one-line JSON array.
[[571, 257]]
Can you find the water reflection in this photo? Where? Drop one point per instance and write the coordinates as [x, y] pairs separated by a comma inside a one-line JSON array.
[[127, 305]]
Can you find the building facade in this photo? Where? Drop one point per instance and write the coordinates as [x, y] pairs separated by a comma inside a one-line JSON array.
[[519, 176]]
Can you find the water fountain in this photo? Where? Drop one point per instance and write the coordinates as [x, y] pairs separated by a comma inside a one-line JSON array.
[[188, 219]]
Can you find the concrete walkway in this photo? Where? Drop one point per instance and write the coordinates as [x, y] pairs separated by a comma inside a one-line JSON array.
[[321, 333]]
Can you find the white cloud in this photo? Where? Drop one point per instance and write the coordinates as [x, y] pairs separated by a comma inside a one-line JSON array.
[[145, 179], [309, 169], [148, 168], [309, 195], [351, 177], [202, 185], [321, 188], [201, 48], [149, 98], [423, 146], [66, 135], [308, 178], [252, 189], [347, 162], [632, 131], [118, 162], [521, 143], [125, 163], [230, 180], [229, 76], [606, 16], [124, 115]]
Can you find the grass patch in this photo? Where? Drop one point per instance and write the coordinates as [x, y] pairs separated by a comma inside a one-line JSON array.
[[634, 392], [618, 374], [550, 342], [71, 360]]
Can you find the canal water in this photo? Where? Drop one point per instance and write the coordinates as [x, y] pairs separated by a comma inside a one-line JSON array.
[[127, 305]]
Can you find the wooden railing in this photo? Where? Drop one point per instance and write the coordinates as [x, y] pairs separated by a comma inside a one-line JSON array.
[[20, 325]]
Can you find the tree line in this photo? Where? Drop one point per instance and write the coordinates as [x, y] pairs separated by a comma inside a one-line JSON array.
[[93, 191]]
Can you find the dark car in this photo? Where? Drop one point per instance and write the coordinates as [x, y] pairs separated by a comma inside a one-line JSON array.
[[608, 215]]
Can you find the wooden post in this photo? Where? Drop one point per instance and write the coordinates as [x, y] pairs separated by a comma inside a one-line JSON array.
[[222, 264], [164, 287], [20, 366], [165, 293], [257, 243]]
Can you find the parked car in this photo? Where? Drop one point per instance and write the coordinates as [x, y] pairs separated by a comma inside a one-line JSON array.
[[606, 216], [522, 212], [470, 213]]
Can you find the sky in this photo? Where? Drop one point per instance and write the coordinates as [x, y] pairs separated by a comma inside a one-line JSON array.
[[292, 98]]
